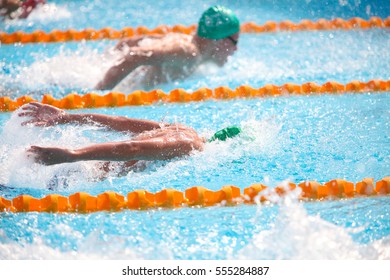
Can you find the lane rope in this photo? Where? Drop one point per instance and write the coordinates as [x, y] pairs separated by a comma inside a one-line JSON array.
[[82, 202], [39, 36], [136, 98]]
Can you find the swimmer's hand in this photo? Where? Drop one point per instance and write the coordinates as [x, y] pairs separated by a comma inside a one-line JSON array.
[[49, 155], [42, 114]]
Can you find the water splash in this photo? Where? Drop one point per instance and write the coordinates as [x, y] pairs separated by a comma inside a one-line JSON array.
[[38, 249], [17, 170], [257, 137], [47, 13], [50, 12], [296, 235], [291, 234], [80, 69]]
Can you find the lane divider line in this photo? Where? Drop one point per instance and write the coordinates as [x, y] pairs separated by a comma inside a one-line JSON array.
[[82, 202], [137, 98], [39, 36]]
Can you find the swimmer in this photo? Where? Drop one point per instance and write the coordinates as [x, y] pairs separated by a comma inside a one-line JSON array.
[[17, 8], [9, 7], [161, 58], [152, 140]]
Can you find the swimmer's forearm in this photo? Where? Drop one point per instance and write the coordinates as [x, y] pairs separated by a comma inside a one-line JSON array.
[[124, 151], [102, 152], [119, 71], [153, 149], [131, 150], [117, 123], [111, 78]]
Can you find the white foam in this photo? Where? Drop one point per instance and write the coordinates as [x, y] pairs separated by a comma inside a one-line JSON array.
[[68, 69], [296, 235], [78, 245], [47, 13], [19, 171], [38, 249], [257, 137]]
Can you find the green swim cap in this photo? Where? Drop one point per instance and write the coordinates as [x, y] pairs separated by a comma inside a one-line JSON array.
[[223, 134], [217, 23]]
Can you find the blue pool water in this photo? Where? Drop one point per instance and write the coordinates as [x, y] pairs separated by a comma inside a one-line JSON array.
[[294, 138]]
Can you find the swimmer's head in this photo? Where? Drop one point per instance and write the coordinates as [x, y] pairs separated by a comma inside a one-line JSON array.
[[217, 23], [223, 134]]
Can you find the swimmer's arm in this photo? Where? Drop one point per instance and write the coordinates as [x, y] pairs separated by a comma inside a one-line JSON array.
[[136, 58], [153, 149], [117, 123], [120, 70], [7, 7], [47, 115]]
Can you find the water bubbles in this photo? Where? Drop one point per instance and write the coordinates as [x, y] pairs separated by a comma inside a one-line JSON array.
[[343, 2], [368, 10], [49, 12], [67, 69], [303, 237], [306, 138]]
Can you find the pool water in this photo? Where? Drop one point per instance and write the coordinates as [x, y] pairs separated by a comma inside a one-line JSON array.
[[295, 138]]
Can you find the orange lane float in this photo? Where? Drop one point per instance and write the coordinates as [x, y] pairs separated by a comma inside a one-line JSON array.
[[6, 205], [26, 203], [140, 199], [110, 201], [137, 98], [251, 194], [82, 202], [366, 187], [198, 196], [169, 198], [383, 186], [340, 188], [54, 203], [40, 36]]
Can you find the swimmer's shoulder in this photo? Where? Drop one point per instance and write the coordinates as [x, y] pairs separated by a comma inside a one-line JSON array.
[[183, 128], [179, 43]]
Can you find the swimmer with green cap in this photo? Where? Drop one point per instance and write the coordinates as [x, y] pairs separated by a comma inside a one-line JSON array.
[[223, 134], [218, 23], [149, 141], [150, 60]]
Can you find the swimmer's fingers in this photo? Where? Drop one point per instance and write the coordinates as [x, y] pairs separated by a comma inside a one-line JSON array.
[[38, 154], [36, 107], [41, 114], [49, 155], [34, 149], [35, 123], [27, 123], [36, 104], [27, 114], [30, 109], [33, 152], [31, 105]]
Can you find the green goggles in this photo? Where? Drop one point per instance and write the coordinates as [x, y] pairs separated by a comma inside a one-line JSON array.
[[223, 134]]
